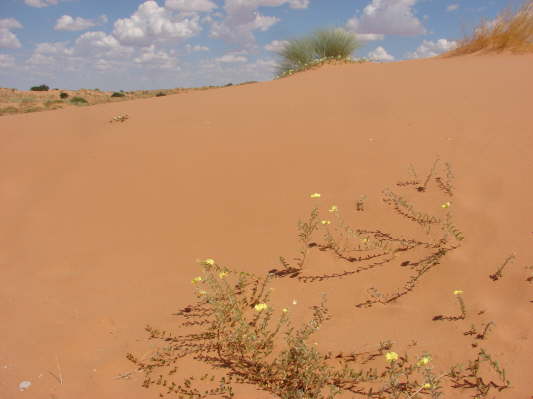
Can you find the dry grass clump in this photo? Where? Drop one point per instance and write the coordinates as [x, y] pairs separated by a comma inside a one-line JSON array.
[[234, 329], [512, 32]]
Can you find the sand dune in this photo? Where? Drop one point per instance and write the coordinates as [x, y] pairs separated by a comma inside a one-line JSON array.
[[102, 222]]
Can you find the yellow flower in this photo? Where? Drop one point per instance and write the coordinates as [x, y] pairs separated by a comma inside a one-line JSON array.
[[294, 301], [222, 274], [446, 205], [284, 310], [424, 360], [196, 279], [364, 240], [333, 208], [391, 356], [260, 306], [325, 222], [457, 292], [202, 292], [315, 195], [426, 385], [209, 261]]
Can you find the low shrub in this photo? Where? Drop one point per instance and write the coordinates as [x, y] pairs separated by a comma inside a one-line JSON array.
[[63, 95], [160, 94], [118, 94], [78, 101]]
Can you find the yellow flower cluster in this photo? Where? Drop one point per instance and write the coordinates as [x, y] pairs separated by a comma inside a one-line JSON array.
[[315, 195], [446, 205], [333, 208], [424, 360], [391, 356], [196, 279], [260, 307], [325, 222], [458, 292], [222, 274]]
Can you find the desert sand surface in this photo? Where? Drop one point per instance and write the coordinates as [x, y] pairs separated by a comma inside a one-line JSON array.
[[102, 223]]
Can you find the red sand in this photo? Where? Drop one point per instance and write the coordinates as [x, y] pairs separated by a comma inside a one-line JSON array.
[[102, 222]]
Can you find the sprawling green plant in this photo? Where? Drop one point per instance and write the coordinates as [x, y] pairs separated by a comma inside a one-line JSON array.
[[234, 328], [322, 45]]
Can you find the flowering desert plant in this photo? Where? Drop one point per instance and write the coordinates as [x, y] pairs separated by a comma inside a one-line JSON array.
[[252, 342]]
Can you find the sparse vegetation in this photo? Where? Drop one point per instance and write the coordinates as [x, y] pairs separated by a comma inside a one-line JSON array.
[[160, 94], [512, 32], [321, 46], [118, 94], [78, 101], [40, 88], [8, 110], [63, 95], [244, 335]]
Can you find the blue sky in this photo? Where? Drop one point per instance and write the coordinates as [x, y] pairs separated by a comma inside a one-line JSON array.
[[136, 44]]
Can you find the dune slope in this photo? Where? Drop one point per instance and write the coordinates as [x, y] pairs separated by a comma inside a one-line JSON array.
[[102, 222]]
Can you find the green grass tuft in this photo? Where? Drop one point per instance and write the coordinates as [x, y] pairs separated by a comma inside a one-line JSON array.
[[322, 45]]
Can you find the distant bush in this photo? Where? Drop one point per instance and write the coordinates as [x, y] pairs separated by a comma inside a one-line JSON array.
[[78, 100], [160, 94], [228, 85], [40, 88], [321, 45], [63, 95], [117, 94]]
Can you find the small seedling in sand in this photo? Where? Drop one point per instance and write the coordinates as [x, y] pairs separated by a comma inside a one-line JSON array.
[[499, 272], [119, 118], [360, 204], [530, 278], [458, 295]]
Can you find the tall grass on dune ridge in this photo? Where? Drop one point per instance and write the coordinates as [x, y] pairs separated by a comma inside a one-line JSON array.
[[513, 32], [322, 45]]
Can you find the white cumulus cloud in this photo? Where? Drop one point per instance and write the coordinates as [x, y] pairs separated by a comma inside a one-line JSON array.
[[190, 5], [152, 23], [41, 3], [452, 7], [231, 58], [386, 17], [100, 44], [431, 49], [369, 37], [7, 38], [156, 59], [7, 61], [276, 45], [241, 19], [380, 54], [66, 22], [195, 48]]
